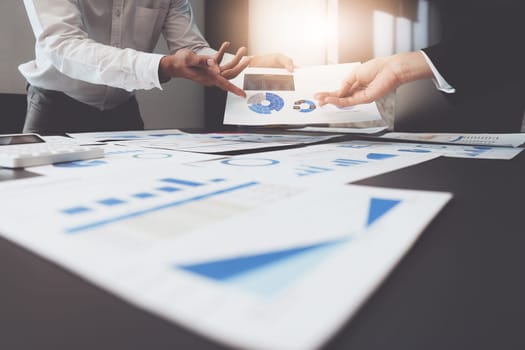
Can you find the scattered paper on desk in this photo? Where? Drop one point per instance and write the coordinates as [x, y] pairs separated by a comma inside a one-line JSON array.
[[125, 135], [315, 165], [228, 142], [277, 97], [61, 140], [249, 263], [453, 151], [117, 157], [338, 130], [505, 140]]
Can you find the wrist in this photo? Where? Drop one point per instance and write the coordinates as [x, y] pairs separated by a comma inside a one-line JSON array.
[[164, 69], [410, 66]]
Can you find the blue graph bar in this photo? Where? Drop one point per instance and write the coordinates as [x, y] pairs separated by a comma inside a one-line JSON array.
[[110, 202], [380, 156], [143, 195], [349, 162], [311, 170], [169, 189], [76, 210], [182, 182], [96, 224]]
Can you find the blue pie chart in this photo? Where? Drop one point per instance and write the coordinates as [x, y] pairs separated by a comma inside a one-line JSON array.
[[265, 103], [304, 106]]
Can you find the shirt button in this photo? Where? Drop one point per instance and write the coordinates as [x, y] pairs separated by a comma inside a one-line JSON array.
[[117, 13]]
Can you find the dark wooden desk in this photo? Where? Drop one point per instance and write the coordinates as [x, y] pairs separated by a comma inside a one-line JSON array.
[[462, 286]]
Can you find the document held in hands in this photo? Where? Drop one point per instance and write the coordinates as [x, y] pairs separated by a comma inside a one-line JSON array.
[[277, 97]]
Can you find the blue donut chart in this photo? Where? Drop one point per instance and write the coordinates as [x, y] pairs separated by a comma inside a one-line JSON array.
[[305, 106], [266, 103]]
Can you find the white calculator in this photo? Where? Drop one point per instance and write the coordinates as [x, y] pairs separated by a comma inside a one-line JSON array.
[[26, 150]]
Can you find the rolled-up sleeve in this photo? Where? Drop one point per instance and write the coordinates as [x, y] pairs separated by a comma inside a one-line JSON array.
[[63, 40], [180, 29]]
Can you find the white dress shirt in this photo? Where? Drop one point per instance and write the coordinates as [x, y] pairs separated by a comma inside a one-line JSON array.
[[99, 51]]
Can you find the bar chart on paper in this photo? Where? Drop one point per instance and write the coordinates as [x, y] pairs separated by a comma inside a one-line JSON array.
[[320, 163], [174, 200], [259, 271]]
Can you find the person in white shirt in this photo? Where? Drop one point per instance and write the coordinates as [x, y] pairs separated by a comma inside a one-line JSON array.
[[92, 55]]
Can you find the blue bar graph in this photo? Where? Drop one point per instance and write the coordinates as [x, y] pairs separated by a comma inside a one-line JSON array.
[[138, 213], [311, 170], [348, 162], [76, 210], [169, 189], [110, 202], [182, 182], [143, 195]]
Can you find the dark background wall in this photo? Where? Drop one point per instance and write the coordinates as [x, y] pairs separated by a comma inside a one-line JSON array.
[[225, 20]]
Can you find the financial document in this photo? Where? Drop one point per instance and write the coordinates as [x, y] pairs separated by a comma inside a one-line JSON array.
[[106, 136], [505, 140], [446, 150], [317, 165], [373, 130], [117, 156], [277, 97], [227, 142], [248, 262]]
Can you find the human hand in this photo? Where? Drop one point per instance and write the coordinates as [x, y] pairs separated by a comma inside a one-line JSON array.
[[375, 78], [202, 69], [275, 60], [233, 68]]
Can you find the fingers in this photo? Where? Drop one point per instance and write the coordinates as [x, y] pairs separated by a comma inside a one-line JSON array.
[[220, 54], [322, 96], [232, 73], [342, 102], [198, 61], [225, 85], [286, 62], [235, 61], [358, 97], [202, 62], [349, 85], [210, 78]]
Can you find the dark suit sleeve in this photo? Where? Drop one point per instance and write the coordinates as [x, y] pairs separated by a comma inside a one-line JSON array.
[[484, 46]]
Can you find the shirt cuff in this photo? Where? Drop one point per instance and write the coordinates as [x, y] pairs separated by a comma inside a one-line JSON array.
[[148, 72], [439, 81]]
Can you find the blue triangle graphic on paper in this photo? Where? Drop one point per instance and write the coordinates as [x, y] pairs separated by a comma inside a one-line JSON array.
[[268, 273], [379, 207]]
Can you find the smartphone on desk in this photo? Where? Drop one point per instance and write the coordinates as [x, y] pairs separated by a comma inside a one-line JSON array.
[[26, 150]]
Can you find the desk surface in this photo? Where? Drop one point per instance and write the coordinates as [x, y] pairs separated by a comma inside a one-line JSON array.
[[460, 287]]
